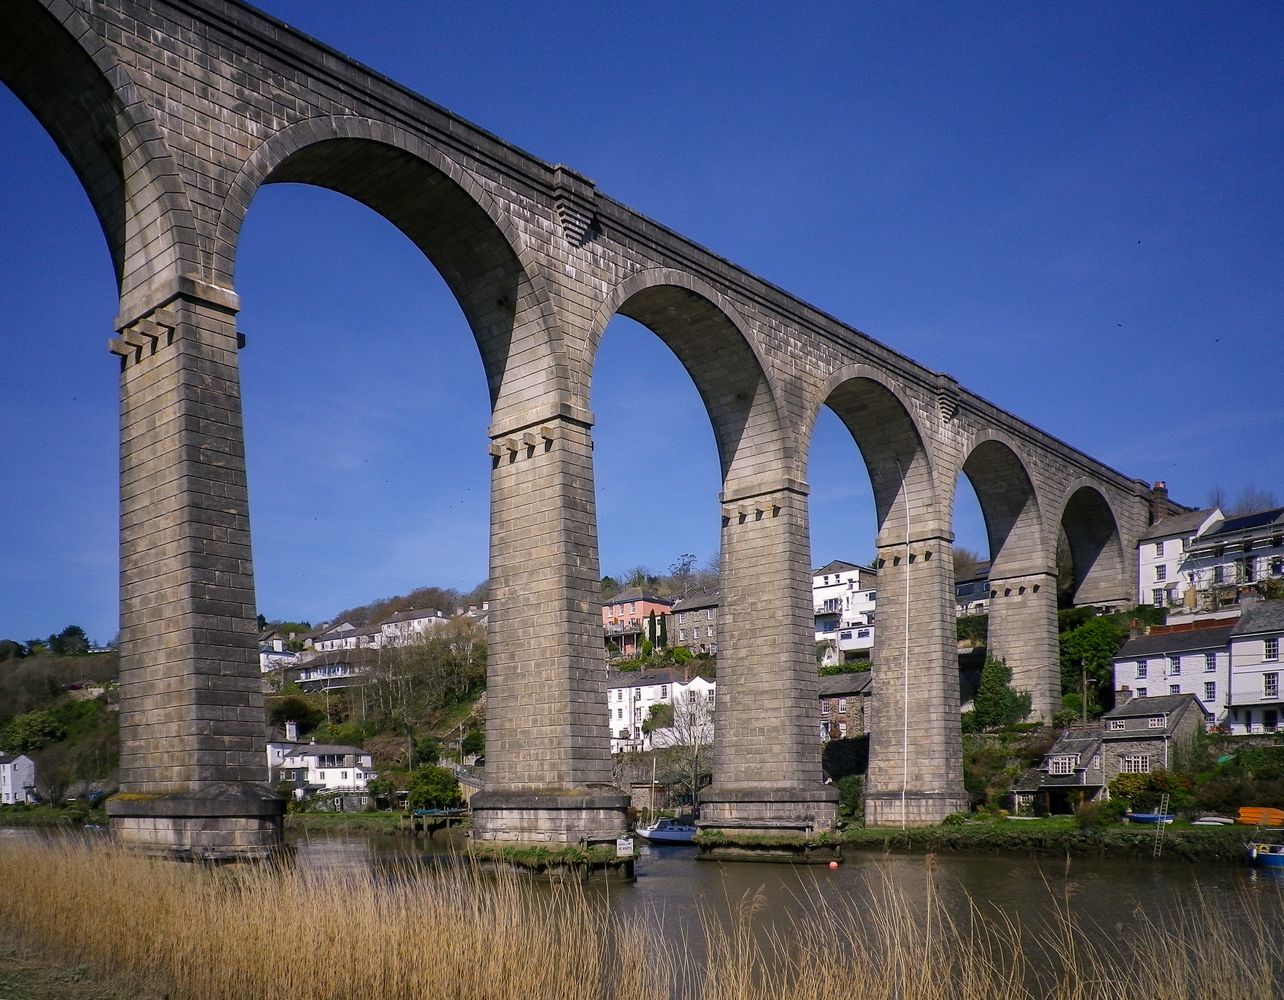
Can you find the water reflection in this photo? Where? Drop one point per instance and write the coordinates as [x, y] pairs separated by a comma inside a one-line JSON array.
[[681, 891]]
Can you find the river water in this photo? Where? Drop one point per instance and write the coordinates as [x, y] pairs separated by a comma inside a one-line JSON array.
[[671, 883]]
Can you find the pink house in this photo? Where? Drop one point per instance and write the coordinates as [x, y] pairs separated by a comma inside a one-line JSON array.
[[625, 615]]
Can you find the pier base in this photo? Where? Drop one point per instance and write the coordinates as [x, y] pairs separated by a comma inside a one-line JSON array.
[[768, 824], [913, 808], [226, 823]]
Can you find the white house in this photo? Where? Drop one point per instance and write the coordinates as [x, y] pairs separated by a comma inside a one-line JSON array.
[[1162, 573], [274, 656], [631, 694], [1173, 661], [1256, 705], [1202, 561], [843, 600], [341, 635], [17, 779], [407, 626], [314, 768]]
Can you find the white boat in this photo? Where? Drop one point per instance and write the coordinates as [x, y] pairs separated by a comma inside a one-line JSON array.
[[668, 831]]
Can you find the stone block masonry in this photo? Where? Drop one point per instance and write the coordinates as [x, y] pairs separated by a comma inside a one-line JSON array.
[[174, 113]]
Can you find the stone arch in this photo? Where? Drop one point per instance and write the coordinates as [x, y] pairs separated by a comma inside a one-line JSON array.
[[441, 208], [1009, 504], [710, 338], [71, 82], [1091, 526], [1022, 600], [881, 420]]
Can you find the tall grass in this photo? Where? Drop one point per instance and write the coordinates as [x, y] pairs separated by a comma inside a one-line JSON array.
[[452, 931]]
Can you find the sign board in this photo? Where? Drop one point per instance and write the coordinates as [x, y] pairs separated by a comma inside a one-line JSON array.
[[624, 847]]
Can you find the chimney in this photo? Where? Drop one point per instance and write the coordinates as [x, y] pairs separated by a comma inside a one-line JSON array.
[[1158, 501], [292, 731], [1123, 696]]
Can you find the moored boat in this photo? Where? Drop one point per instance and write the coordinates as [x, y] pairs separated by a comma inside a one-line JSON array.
[[1164, 818], [1264, 854], [668, 831]]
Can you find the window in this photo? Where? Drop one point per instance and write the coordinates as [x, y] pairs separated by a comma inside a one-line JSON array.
[[862, 633], [1210, 662], [1174, 689], [1155, 722], [682, 618], [1134, 763], [1271, 685], [619, 713], [664, 691], [1174, 666], [842, 704], [1210, 690], [1272, 650], [1141, 692], [682, 635], [710, 696], [1062, 765], [1219, 574], [1141, 669], [344, 775], [842, 730], [695, 632], [710, 613], [1157, 597], [1159, 548], [1116, 725], [1161, 572]]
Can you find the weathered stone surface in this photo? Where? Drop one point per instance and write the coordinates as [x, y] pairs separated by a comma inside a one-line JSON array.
[[175, 112]]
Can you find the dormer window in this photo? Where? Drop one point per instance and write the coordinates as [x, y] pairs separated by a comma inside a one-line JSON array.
[[1155, 722], [1116, 725]]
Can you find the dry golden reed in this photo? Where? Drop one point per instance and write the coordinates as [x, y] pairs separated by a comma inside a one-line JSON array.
[[251, 932]]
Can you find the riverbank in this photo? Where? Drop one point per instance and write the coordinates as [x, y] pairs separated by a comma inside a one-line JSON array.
[[193, 931], [340, 822], [65, 817], [1058, 838]]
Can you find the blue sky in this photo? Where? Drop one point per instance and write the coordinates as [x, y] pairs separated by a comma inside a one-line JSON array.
[[1074, 209]]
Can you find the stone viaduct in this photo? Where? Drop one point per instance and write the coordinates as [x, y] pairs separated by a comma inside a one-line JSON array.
[[174, 113]]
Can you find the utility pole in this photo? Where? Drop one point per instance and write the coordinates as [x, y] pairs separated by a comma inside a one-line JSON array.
[[1083, 704]]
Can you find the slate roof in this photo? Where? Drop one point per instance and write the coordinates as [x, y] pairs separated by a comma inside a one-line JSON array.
[[1164, 704], [1265, 616], [411, 615], [845, 685], [696, 601], [1247, 522], [1167, 643], [841, 566], [639, 678], [630, 594], [1177, 524], [317, 749], [9, 758]]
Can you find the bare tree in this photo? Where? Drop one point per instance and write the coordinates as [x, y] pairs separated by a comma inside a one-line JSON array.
[[966, 562], [1249, 500], [685, 744]]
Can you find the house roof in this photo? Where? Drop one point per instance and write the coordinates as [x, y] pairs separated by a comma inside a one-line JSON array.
[[842, 566], [1177, 524], [1077, 740], [630, 594], [1167, 643], [981, 572], [1265, 616], [411, 615], [1247, 522], [696, 601], [317, 749], [842, 685], [9, 758], [639, 678], [1165, 704]]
